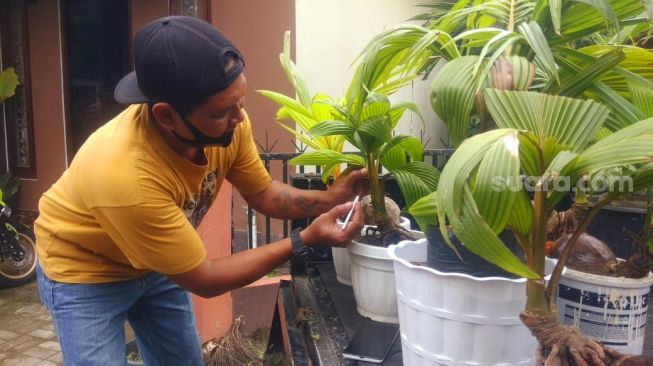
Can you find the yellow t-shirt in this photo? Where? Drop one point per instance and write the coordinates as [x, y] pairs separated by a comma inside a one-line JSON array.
[[129, 204]]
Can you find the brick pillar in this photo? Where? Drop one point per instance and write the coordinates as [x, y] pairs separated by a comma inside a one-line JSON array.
[[213, 316]]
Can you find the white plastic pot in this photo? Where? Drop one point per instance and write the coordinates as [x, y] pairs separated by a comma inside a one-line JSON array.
[[457, 319], [611, 310], [341, 256], [373, 282]]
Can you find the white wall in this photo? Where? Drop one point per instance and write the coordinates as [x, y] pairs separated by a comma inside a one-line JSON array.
[[330, 35]]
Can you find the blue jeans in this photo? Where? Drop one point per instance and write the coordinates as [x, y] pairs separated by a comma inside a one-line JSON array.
[[89, 321]]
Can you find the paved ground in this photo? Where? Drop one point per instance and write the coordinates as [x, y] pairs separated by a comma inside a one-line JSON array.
[[27, 336]]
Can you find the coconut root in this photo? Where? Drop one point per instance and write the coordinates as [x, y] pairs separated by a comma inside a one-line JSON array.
[[566, 345], [233, 349], [565, 222], [390, 233]]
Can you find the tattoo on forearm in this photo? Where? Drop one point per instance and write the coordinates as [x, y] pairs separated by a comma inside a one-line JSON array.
[[282, 200], [305, 205]]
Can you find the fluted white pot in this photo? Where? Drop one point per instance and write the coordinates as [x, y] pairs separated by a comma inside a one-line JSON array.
[[457, 319], [341, 261], [373, 282]]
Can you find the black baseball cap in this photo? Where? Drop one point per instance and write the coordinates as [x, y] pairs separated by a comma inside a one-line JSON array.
[[179, 59]]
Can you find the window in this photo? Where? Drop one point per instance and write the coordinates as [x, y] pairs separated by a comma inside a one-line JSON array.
[[97, 49]]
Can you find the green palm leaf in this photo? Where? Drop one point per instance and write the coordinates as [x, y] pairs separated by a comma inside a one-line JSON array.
[[576, 84], [555, 7], [393, 157], [424, 210], [398, 110], [494, 204], [580, 20], [642, 98], [320, 109], [634, 68], [377, 105], [571, 122], [452, 96], [416, 180], [456, 203], [327, 157], [610, 152], [285, 101], [293, 74], [312, 143], [377, 131], [477, 236], [329, 128], [521, 215], [409, 144], [543, 55]]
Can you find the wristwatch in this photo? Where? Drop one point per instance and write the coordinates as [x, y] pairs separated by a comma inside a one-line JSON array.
[[299, 248]]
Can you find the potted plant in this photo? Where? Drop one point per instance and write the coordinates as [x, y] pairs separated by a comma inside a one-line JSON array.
[[547, 138], [605, 296], [366, 119], [574, 49], [585, 49], [307, 110]]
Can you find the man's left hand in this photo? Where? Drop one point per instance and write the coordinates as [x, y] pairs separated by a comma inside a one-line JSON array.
[[351, 182]]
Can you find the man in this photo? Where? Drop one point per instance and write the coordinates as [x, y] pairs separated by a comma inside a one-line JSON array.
[[116, 233]]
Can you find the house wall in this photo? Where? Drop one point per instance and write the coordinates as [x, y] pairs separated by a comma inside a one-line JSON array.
[[257, 28], [331, 34], [47, 100], [49, 108], [144, 11]]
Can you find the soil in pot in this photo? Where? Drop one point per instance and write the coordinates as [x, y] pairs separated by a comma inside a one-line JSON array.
[[372, 240], [442, 258]]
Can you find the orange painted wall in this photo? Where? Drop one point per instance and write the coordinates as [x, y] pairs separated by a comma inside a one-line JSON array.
[[47, 100], [144, 11], [213, 316], [257, 27]]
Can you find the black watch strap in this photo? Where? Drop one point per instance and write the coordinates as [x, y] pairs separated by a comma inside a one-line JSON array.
[[299, 248]]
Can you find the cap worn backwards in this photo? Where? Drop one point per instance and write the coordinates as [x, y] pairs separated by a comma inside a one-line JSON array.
[[179, 59]]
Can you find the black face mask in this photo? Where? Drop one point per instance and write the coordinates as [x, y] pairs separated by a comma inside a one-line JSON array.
[[202, 140]]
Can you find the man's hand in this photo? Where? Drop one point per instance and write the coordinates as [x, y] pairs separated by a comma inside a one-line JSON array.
[[351, 182], [325, 231]]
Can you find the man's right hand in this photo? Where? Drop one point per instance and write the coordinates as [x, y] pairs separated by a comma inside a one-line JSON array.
[[326, 231], [215, 276]]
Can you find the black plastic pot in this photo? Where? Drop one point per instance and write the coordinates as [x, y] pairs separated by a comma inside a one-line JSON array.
[[442, 258], [615, 228]]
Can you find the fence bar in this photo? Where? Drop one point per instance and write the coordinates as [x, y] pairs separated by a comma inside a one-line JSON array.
[[284, 169]]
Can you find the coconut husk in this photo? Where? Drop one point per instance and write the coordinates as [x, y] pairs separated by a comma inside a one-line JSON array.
[[233, 349]]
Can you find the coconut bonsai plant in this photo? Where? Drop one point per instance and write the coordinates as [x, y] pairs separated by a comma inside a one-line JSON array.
[[326, 141], [366, 119], [548, 139], [305, 110], [580, 49]]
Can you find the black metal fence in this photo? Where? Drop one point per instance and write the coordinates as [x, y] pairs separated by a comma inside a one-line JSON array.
[[297, 177]]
